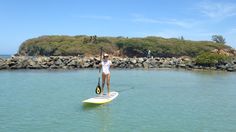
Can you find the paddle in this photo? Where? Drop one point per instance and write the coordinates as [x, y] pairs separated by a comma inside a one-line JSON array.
[[98, 89]]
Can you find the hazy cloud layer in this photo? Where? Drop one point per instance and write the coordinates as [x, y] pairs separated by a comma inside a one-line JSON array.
[[217, 9]]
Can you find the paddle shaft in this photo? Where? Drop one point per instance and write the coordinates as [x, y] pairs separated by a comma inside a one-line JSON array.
[[99, 67]]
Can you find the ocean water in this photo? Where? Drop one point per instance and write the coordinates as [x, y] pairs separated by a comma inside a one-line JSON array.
[[5, 56], [149, 100]]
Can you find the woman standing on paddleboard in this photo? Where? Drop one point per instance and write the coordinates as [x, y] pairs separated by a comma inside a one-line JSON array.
[[106, 64]]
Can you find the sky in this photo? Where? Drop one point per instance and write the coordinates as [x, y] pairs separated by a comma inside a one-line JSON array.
[[194, 20]]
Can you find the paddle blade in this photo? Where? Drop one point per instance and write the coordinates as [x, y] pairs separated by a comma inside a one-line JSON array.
[[98, 90]]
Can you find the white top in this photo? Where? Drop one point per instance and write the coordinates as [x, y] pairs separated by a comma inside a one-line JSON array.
[[106, 66]]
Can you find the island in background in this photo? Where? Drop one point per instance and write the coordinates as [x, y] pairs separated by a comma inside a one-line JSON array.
[[72, 52]]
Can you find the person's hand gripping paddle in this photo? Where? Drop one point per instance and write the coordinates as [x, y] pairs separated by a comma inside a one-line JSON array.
[[98, 89]]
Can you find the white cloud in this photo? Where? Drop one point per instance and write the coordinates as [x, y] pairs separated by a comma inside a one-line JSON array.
[[96, 17], [232, 31], [180, 23], [146, 20], [217, 9]]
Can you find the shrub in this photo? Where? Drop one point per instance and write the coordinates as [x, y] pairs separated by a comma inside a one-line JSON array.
[[211, 59]]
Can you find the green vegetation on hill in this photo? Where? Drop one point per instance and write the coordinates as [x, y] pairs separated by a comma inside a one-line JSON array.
[[212, 59], [90, 45]]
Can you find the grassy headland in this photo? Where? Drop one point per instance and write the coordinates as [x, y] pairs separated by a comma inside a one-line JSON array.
[[90, 45], [65, 52]]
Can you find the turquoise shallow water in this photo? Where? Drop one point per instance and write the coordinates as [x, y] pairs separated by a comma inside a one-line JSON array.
[[153, 100]]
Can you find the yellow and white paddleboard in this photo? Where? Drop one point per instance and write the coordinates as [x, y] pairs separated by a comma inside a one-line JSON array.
[[102, 99]]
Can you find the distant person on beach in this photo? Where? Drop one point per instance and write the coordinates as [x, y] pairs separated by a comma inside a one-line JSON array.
[[149, 54], [106, 64]]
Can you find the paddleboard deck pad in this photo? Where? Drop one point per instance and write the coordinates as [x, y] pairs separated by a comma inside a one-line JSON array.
[[102, 99]]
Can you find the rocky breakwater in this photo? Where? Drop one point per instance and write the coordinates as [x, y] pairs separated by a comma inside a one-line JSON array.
[[75, 62]]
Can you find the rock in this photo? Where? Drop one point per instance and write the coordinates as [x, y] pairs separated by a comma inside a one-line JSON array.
[[207, 68], [214, 51], [145, 58], [140, 60], [31, 62], [54, 66], [33, 65], [39, 59], [145, 65], [54, 58], [175, 60], [182, 65], [165, 66], [44, 66], [234, 61], [229, 65], [231, 69], [49, 63], [91, 59], [10, 63], [72, 63], [213, 68], [221, 67], [234, 52], [98, 59], [157, 58], [122, 65], [139, 65], [131, 66], [133, 60], [125, 59], [71, 67], [64, 67], [172, 62], [86, 65], [151, 66], [224, 52], [3, 66], [165, 62], [59, 62], [185, 58], [189, 65], [86, 59], [153, 62], [118, 59]]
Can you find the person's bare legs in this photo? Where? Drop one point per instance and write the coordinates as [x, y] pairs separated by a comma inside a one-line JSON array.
[[108, 76], [103, 82]]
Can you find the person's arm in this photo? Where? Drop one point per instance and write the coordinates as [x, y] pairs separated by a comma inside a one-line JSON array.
[[111, 65], [100, 65]]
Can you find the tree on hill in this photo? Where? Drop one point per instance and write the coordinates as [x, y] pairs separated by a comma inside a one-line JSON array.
[[218, 39], [120, 45]]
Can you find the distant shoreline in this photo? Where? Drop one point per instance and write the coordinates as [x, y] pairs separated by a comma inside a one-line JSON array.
[[76, 62], [5, 56]]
